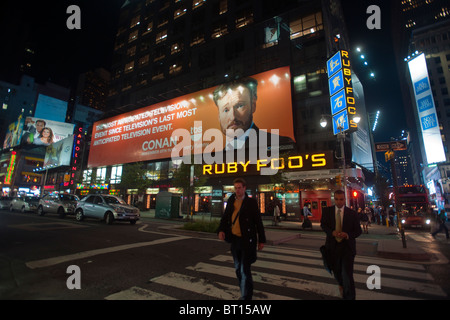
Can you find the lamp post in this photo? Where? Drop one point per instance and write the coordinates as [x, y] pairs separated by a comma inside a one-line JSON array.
[[341, 135]]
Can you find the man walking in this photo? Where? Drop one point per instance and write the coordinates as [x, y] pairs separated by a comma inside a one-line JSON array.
[[342, 227], [242, 221], [442, 227]]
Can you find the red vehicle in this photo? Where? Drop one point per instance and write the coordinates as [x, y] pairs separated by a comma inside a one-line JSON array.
[[414, 203]]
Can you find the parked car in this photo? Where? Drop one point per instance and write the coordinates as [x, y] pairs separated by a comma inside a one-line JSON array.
[[24, 204], [61, 204], [106, 207], [5, 202]]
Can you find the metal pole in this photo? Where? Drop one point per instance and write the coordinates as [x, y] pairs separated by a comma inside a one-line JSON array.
[[341, 136], [397, 207]]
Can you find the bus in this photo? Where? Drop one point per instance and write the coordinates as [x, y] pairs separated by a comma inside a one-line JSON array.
[[414, 204], [413, 197]]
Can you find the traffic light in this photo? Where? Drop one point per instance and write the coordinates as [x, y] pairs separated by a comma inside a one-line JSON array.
[[355, 194], [338, 180]]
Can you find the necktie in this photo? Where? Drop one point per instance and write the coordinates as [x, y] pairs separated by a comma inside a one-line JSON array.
[[338, 225]]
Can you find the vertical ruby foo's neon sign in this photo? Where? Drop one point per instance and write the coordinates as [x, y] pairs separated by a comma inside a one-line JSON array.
[[76, 153], [12, 163]]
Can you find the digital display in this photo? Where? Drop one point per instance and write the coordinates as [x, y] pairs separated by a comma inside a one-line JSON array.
[[426, 110], [149, 133]]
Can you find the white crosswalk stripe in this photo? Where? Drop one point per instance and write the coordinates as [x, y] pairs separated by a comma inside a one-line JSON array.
[[286, 274]]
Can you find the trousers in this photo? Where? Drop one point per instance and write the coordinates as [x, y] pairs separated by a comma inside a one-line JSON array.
[[242, 263], [343, 270]]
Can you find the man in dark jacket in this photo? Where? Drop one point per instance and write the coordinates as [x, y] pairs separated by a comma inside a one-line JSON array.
[[242, 221], [342, 227]]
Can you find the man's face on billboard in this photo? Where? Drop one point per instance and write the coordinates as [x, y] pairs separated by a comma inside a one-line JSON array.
[[236, 109], [39, 126]]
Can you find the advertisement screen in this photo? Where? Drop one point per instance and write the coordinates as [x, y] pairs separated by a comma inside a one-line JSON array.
[[426, 110], [50, 108], [13, 134], [262, 102], [44, 132], [59, 153]]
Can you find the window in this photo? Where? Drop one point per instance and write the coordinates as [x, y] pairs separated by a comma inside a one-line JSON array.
[[87, 175], [197, 3], [135, 21], [133, 36], [129, 67], [101, 175], [131, 51], [244, 18], [179, 13], [161, 36], [223, 6], [176, 47], [149, 28], [143, 61], [306, 25], [116, 175]]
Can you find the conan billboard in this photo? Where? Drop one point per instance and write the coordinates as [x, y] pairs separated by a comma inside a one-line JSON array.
[[262, 102]]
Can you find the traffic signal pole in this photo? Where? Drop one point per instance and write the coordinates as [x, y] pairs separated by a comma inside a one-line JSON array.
[[397, 206]]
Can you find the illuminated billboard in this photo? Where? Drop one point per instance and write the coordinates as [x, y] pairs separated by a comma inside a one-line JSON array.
[[426, 110], [50, 108], [342, 101], [43, 132], [147, 133], [13, 134], [59, 153]]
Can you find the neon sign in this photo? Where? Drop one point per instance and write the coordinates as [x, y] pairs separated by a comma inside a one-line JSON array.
[[12, 163], [76, 154]]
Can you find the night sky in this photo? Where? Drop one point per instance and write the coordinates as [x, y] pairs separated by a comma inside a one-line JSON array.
[[62, 54]]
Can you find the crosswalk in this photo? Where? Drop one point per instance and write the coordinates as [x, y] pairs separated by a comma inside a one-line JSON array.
[[286, 274]]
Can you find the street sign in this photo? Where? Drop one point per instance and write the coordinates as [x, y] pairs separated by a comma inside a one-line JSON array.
[[391, 145]]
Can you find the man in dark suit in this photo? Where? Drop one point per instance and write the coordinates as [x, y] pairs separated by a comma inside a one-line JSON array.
[[242, 220], [341, 225]]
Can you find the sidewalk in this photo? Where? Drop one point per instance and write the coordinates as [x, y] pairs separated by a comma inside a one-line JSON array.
[[387, 240]]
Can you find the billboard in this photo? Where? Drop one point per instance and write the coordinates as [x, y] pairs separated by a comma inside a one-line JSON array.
[[44, 132], [263, 103], [428, 121], [13, 134], [59, 153], [50, 108]]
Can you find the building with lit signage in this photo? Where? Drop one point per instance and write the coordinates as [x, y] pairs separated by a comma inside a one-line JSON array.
[[171, 60]]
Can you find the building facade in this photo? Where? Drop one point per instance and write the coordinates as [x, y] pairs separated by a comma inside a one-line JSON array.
[[167, 49]]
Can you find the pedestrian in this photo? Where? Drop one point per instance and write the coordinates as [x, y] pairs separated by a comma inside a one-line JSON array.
[[342, 227], [364, 218], [241, 225], [441, 220], [276, 215], [306, 213]]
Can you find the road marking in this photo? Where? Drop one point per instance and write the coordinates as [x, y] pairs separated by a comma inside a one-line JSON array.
[[85, 254], [294, 273]]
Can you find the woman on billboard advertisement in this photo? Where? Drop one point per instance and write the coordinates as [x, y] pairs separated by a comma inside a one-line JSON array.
[[45, 137]]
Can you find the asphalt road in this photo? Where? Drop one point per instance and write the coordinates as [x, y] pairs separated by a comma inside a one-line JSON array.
[[142, 261]]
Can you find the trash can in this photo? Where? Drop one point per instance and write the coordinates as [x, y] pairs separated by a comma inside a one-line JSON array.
[[167, 205]]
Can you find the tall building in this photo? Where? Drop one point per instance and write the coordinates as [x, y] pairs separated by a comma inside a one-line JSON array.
[[424, 27], [168, 49], [92, 88]]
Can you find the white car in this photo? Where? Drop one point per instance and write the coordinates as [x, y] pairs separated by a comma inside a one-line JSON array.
[[106, 207], [24, 204], [61, 204]]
